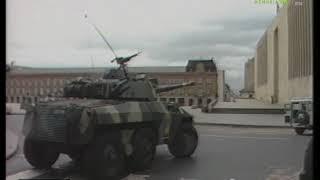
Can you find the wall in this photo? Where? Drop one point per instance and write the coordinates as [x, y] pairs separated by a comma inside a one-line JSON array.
[[294, 52], [266, 91]]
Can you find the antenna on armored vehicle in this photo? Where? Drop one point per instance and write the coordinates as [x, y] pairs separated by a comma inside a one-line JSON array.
[[122, 61]]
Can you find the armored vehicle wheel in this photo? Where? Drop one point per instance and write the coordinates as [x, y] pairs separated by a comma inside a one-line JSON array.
[[39, 154], [185, 142], [104, 158], [144, 148], [299, 131]]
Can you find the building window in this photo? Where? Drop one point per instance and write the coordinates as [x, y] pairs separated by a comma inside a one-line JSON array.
[[190, 102], [199, 102], [181, 101], [41, 91], [12, 99], [16, 83], [18, 99], [7, 99]]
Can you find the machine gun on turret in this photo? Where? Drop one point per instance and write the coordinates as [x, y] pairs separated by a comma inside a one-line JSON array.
[[122, 61], [116, 84]]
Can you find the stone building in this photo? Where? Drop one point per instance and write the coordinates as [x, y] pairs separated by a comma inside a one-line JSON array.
[[283, 59], [29, 84]]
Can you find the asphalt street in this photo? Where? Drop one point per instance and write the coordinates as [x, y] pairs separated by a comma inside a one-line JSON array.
[[224, 153]]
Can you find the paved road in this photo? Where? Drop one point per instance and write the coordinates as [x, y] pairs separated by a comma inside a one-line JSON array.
[[224, 153]]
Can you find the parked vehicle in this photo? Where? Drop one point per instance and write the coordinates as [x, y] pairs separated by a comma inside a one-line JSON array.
[[299, 113]]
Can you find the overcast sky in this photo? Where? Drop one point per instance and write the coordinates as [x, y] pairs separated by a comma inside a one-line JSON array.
[[54, 33]]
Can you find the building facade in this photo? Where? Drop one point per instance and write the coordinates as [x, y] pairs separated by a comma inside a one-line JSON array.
[[29, 84], [283, 59], [248, 89]]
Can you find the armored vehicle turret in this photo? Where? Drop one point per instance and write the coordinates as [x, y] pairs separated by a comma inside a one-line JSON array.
[[108, 126]]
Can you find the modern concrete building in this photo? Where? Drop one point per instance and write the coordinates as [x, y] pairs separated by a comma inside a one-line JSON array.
[[248, 89], [28, 84], [284, 54]]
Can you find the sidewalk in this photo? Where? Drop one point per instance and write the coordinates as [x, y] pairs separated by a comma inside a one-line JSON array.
[[11, 143], [247, 106], [245, 120]]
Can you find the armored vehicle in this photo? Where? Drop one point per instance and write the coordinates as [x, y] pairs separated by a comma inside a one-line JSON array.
[[299, 114], [108, 126]]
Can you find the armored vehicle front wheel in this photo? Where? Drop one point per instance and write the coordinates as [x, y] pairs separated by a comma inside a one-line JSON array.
[[185, 141], [39, 154], [299, 131], [104, 158], [144, 148]]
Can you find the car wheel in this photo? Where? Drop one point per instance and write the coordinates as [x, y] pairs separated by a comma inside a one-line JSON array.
[[104, 158], [144, 149], [39, 154], [185, 141]]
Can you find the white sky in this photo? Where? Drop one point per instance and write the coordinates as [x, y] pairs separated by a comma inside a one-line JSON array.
[[54, 33]]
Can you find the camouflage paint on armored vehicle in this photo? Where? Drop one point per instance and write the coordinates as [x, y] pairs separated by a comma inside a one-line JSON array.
[[108, 126]]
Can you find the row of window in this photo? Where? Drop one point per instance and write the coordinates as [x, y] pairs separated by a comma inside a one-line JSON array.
[[182, 101], [36, 82], [32, 91], [176, 81], [21, 99]]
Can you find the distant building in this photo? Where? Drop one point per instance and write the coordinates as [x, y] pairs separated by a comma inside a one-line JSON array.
[[283, 59], [248, 89], [29, 84]]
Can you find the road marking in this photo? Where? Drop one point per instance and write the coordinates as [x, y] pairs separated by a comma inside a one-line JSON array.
[[28, 174], [242, 137]]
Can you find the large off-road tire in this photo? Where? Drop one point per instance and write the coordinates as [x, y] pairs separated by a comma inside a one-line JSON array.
[[185, 141], [144, 148], [104, 158], [39, 154], [299, 131]]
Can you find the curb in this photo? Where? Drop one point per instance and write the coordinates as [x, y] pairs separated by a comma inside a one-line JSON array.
[[13, 150], [246, 111], [241, 125]]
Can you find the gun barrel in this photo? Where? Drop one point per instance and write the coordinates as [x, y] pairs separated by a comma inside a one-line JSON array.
[[165, 88]]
